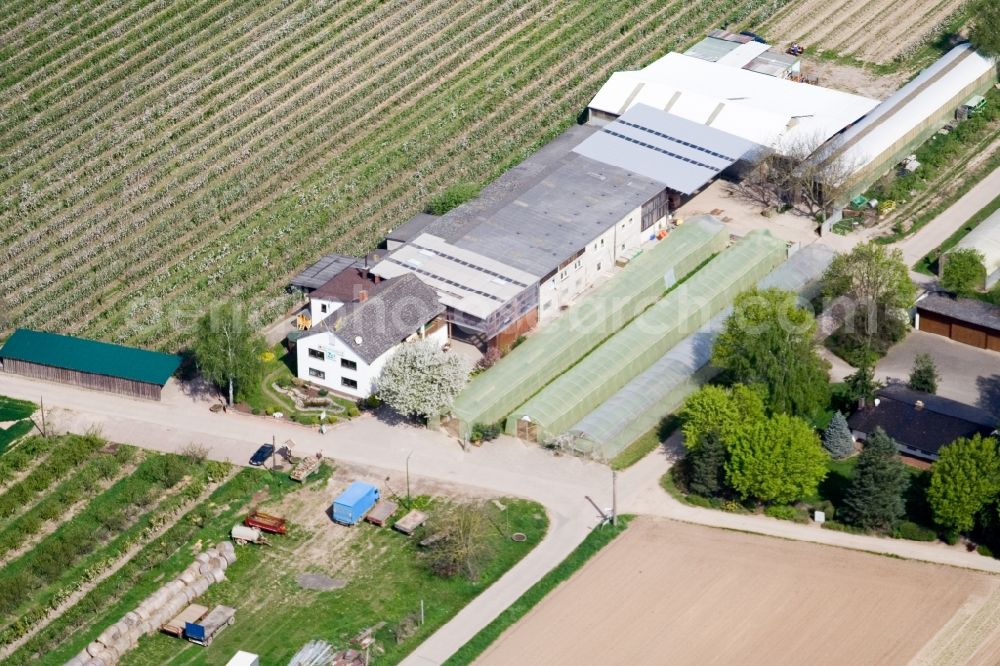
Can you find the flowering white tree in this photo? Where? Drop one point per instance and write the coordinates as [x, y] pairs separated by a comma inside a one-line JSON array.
[[422, 380]]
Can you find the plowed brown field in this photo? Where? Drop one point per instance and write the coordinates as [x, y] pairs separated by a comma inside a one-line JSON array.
[[874, 32], [668, 592]]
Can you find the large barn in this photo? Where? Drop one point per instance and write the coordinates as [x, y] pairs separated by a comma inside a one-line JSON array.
[[94, 365]]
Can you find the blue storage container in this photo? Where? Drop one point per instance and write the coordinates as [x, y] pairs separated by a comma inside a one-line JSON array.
[[354, 503]]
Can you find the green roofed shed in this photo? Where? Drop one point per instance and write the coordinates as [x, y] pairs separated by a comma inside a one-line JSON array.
[[88, 363]]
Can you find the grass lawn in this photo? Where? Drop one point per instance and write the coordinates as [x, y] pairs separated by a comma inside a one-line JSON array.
[[20, 412], [386, 579], [281, 370], [646, 444], [595, 541]]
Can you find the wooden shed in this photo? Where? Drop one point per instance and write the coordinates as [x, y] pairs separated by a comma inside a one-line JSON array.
[[964, 320], [94, 365]]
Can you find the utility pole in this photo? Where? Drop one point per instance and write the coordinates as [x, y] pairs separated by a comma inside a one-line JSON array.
[[409, 502], [274, 452], [41, 401], [421, 612], [614, 497]]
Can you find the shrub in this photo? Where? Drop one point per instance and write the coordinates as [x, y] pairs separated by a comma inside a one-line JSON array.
[[783, 512], [841, 527], [984, 550], [452, 197], [255, 411], [485, 432], [706, 502], [195, 452], [352, 412], [913, 532], [323, 393], [950, 537]]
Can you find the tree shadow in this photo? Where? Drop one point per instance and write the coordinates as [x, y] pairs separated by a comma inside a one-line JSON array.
[[989, 393], [834, 487]]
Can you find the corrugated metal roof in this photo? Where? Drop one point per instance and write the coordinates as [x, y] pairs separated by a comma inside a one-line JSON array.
[[90, 356], [711, 49], [679, 153], [985, 238], [908, 107], [765, 109], [771, 63], [323, 271], [968, 310], [411, 228], [743, 55], [464, 280]]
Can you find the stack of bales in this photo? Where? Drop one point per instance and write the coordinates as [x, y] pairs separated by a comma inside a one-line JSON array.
[[158, 608]]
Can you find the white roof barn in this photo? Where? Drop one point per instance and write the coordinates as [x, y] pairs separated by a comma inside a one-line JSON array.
[[986, 239], [770, 111]]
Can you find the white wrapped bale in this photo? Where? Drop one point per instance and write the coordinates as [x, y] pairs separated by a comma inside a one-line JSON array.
[[78, 660], [95, 649]]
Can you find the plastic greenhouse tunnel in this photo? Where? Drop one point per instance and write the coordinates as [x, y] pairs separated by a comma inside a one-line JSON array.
[[640, 405], [492, 395], [684, 309]]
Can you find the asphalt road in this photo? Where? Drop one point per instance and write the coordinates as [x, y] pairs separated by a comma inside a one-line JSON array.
[[506, 466]]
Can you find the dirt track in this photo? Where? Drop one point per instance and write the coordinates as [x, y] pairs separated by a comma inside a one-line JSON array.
[[669, 592]]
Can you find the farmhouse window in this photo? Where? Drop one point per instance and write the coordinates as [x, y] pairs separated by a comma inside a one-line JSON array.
[[315, 353], [318, 374], [322, 308], [349, 364], [349, 383]]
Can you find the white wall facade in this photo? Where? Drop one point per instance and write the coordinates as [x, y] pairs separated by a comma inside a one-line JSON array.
[[339, 365], [620, 241], [320, 309]]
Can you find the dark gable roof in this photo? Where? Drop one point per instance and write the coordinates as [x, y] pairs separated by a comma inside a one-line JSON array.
[[963, 309], [394, 310], [940, 422], [346, 286]]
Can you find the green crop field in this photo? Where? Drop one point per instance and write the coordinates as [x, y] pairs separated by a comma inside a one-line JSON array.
[[157, 156]]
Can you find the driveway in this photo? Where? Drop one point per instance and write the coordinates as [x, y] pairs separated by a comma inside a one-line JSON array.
[[968, 374], [944, 225], [506, 466]]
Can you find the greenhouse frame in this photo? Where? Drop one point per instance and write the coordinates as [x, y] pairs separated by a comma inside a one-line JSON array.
[[646, 339], [640, 405], [492, 395]]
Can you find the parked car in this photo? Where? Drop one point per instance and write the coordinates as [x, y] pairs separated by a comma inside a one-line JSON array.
[[262, 454]]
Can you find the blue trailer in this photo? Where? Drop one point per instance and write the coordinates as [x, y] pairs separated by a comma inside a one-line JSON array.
[[354, 503]]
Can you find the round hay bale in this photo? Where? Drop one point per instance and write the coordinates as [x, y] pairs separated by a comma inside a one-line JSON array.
[[215, 562], [212, 552], [218, 575], [204, 568], [145, 628], [112, 655], [143, 612], [202, 557], [187, 577], [200, 586], [229, 557], [189, 594], [173, 587], [96, 649], [77, 660], [131, 619]]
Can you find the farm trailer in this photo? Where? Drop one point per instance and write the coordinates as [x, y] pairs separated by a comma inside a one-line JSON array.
[[354, 503], [204, 630]]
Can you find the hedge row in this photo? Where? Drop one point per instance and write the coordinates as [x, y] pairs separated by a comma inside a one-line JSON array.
[[83, 484], [72, 452], [110, 514], [157, 561]]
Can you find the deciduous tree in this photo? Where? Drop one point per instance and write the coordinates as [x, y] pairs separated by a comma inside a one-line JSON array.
[[963, 271], [716, 410], [227, 349], [964, 479], [420, 379], [837, 439], [775, 460], [985, 31], [877, 282], [874, 500], [769, 340], [924, 375]]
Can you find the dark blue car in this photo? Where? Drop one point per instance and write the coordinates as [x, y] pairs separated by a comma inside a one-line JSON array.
[[262, 454]]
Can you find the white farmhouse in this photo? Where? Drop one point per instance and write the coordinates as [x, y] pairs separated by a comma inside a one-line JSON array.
[[346, 351]]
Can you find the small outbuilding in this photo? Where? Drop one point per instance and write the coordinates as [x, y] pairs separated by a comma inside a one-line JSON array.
[[966, 320], [101, 366], [985, 238]]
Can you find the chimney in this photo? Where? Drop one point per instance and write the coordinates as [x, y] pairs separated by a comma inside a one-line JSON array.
[[362, 296], [918, 405]]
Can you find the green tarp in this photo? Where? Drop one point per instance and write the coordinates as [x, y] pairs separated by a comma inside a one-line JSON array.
[[98, 358]]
